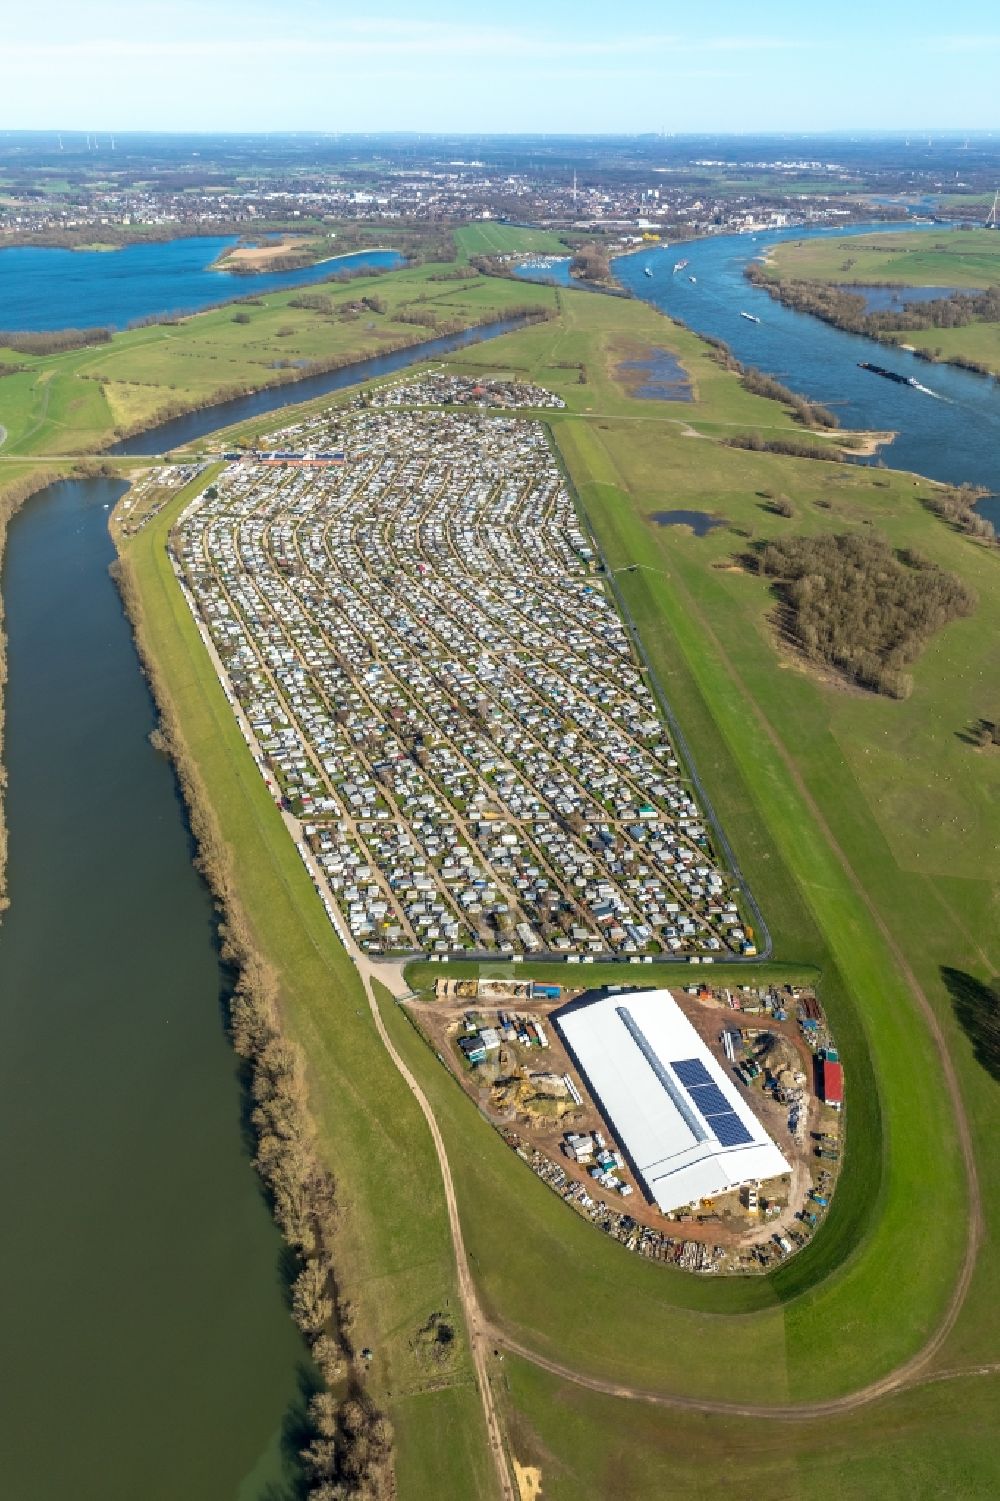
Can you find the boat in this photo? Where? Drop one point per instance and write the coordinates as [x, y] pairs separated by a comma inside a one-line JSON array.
[[648, 271], [679, 265], [692, 279], [750, 317], [901, 380]]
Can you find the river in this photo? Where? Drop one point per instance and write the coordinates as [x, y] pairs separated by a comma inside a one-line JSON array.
[[42, 288], [953, 435], [147, 1347]]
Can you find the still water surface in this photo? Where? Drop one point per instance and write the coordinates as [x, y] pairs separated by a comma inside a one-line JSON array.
[[43, 288]]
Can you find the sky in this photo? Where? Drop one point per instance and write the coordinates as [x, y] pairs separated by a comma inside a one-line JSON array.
[[573, 66]]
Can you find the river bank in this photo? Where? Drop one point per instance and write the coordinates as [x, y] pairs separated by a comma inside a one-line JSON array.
[[345, 1436], [12, 497], [250, 260]]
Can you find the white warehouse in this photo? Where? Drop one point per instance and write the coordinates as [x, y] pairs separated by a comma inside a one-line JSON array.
[[683, 1124]]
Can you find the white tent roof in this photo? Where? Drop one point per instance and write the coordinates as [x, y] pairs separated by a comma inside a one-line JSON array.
[[679, 1118]]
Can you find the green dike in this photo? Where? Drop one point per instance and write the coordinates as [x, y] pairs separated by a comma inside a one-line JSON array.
[[422, 973], [394, 1254], [875, 1281], [881, 1317], [924, 1444]]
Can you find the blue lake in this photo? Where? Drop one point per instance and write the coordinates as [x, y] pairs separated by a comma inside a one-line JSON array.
[[43, 289], [700, 522], [546, 268]]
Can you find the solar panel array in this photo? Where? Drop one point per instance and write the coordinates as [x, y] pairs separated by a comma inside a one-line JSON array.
[[711, 1103]]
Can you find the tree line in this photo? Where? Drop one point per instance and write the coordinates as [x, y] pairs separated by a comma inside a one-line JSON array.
[[853, 604], [53, 341]]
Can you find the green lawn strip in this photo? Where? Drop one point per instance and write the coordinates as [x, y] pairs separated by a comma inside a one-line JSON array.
[[872, 1012], [486, 238], [394, 1253], [441, 1446], [421, 973], [921, 1445]]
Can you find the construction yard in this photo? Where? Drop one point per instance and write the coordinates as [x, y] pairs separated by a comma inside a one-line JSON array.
[[500, 1040]]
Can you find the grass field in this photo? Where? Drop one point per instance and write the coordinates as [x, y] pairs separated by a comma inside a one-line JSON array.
[[506, 239], [935, 258], [979, 342], [864, 826], [922, 1445]]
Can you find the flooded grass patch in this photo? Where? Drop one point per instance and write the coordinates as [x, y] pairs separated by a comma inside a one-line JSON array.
[[656, 375], [699, 522]]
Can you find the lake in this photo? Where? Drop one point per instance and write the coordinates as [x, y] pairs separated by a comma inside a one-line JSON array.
[[44, 289], [895, 299]]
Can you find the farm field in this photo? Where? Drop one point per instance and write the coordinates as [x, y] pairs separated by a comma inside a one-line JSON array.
[[506, 239], [861, 823], [937, 257]]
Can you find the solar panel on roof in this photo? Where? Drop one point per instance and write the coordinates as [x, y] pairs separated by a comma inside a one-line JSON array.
[[730, 1129], [691, 1071], [710, 1100]]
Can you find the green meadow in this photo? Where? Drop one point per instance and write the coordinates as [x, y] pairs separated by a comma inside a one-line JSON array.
[[917, 258], [487, 238], [868, 829]]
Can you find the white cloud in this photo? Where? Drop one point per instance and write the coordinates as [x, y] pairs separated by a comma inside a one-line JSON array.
[[376, 39]]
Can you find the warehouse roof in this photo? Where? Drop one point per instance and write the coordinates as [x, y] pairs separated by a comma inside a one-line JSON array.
[[684, 1125]]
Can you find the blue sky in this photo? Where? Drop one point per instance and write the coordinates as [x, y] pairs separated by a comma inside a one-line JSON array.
[[550, 65]]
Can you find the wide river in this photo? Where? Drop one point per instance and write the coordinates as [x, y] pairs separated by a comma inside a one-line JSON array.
[[953, 435], [147, 1348]]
